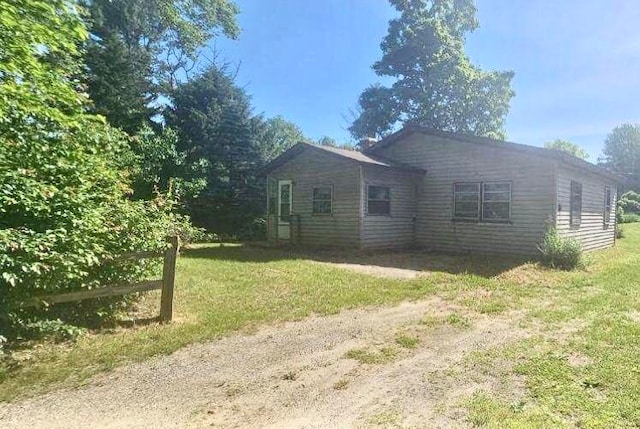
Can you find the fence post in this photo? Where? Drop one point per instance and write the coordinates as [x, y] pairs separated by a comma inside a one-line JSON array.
[[168, 279]]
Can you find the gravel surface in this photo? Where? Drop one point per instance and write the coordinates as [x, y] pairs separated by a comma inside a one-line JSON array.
[[292, 375]]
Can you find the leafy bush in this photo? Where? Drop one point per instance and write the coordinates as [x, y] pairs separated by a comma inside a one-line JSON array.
[[619, 214], [65, 214], [619, 232], [630, 218], [560, 252], [630, 202]]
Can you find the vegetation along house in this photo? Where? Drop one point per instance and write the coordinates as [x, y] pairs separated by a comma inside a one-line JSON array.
[[440, 191]]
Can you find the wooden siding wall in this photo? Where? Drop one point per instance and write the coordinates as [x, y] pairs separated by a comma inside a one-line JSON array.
[[310, 169], [592, 232], [398, 229], [449, 161]]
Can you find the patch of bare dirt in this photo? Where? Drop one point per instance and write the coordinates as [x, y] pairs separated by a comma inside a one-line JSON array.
[[381, 272], [294, 375]]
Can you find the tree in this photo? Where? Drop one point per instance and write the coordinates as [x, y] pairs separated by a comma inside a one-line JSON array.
[[214, 121], [327, 141], [277, 135], [63, 185], [436, 84], [140, 49], [621, 151], [568, 147]]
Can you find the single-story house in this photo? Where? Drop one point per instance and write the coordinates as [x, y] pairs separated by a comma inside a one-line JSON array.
[[438, 190]]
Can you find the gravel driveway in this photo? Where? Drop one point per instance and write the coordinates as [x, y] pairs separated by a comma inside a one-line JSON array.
[[292, 375]]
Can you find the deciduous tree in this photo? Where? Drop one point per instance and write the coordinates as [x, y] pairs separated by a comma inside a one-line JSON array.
[[568, 147], [436, 84]]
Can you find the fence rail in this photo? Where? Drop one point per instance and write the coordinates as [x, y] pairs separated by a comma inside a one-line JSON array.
[[166, 284]]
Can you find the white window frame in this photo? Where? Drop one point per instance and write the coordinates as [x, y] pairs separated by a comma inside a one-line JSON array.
[[313, 200]]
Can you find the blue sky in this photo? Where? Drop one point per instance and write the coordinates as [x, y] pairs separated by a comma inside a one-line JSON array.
[[577, 62]]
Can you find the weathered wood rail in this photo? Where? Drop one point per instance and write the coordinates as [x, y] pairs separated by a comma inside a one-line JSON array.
[[166, 283]]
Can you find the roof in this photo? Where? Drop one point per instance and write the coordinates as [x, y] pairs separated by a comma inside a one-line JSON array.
[[499, 144], [350, 155]]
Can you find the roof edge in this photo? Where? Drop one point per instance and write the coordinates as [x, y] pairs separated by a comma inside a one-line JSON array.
[[534, 150]]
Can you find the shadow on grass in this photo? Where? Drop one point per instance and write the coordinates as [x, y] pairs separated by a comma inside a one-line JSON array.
[[414, 259]]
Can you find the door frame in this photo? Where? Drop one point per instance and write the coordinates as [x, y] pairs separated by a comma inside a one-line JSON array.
[[282, 224]]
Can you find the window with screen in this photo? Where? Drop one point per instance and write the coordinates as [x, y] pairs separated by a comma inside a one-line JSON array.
[[482, 201], [607, 205], [322, 197], [466, 200], [378, 200], [576, 204]]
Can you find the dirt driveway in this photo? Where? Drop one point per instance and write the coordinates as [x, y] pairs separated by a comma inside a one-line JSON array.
[[379, 367]]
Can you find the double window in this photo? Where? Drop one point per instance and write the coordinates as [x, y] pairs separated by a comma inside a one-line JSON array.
[[322, 200], [482, 201], [575, 204], [378, 200]]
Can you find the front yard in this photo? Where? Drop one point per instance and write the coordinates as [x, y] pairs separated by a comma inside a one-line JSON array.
[[530, 347]]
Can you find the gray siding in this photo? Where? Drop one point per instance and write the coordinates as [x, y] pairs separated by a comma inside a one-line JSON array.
[[449, 161], [398, 229], [309, 169], [592, 232]]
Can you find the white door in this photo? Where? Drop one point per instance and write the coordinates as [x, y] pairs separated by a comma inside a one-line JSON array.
[[284, 209]]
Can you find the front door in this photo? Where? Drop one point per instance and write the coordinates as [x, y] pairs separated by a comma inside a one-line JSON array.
[[284, 209]]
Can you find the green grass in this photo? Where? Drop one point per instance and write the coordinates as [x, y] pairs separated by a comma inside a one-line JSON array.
[[407, 341], [372, 357], [580, 367]]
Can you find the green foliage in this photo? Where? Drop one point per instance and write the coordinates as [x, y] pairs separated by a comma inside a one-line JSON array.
[[277, 135], [436, 84], [568, 147], [619, 232], [629, 202], [158, 166], [630, 218], [120, 82], [63, 186], [560, 252], [140, 48], [621, 151], [214, 122]]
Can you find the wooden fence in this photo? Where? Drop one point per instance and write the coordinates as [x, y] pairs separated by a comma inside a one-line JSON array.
[[166, 284]]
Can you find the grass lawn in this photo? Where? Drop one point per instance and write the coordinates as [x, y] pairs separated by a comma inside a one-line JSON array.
[[581, 367]]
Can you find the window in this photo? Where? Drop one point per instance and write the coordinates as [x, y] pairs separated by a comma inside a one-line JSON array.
[[482, 201], [378, 200], [576, 203], [466, 200], [496, 201], [607, 205], [322, 199]]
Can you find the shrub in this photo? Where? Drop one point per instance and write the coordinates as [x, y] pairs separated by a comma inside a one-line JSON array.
[[560, 252], [619, 214], [630, 218], [64, 184], [619, 232]]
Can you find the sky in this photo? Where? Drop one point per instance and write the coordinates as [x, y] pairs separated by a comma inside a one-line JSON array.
[[576, 62]]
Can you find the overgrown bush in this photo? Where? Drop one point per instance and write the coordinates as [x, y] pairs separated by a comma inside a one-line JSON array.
[[630, 202], [65, 211], [630, 218], [619, 232], [560, 252]]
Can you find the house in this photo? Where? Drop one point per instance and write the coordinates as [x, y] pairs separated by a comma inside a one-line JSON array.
[[440, 191]]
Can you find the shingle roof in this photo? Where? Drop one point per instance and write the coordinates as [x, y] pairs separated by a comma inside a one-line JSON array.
[[539, 151], [351, 155]]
